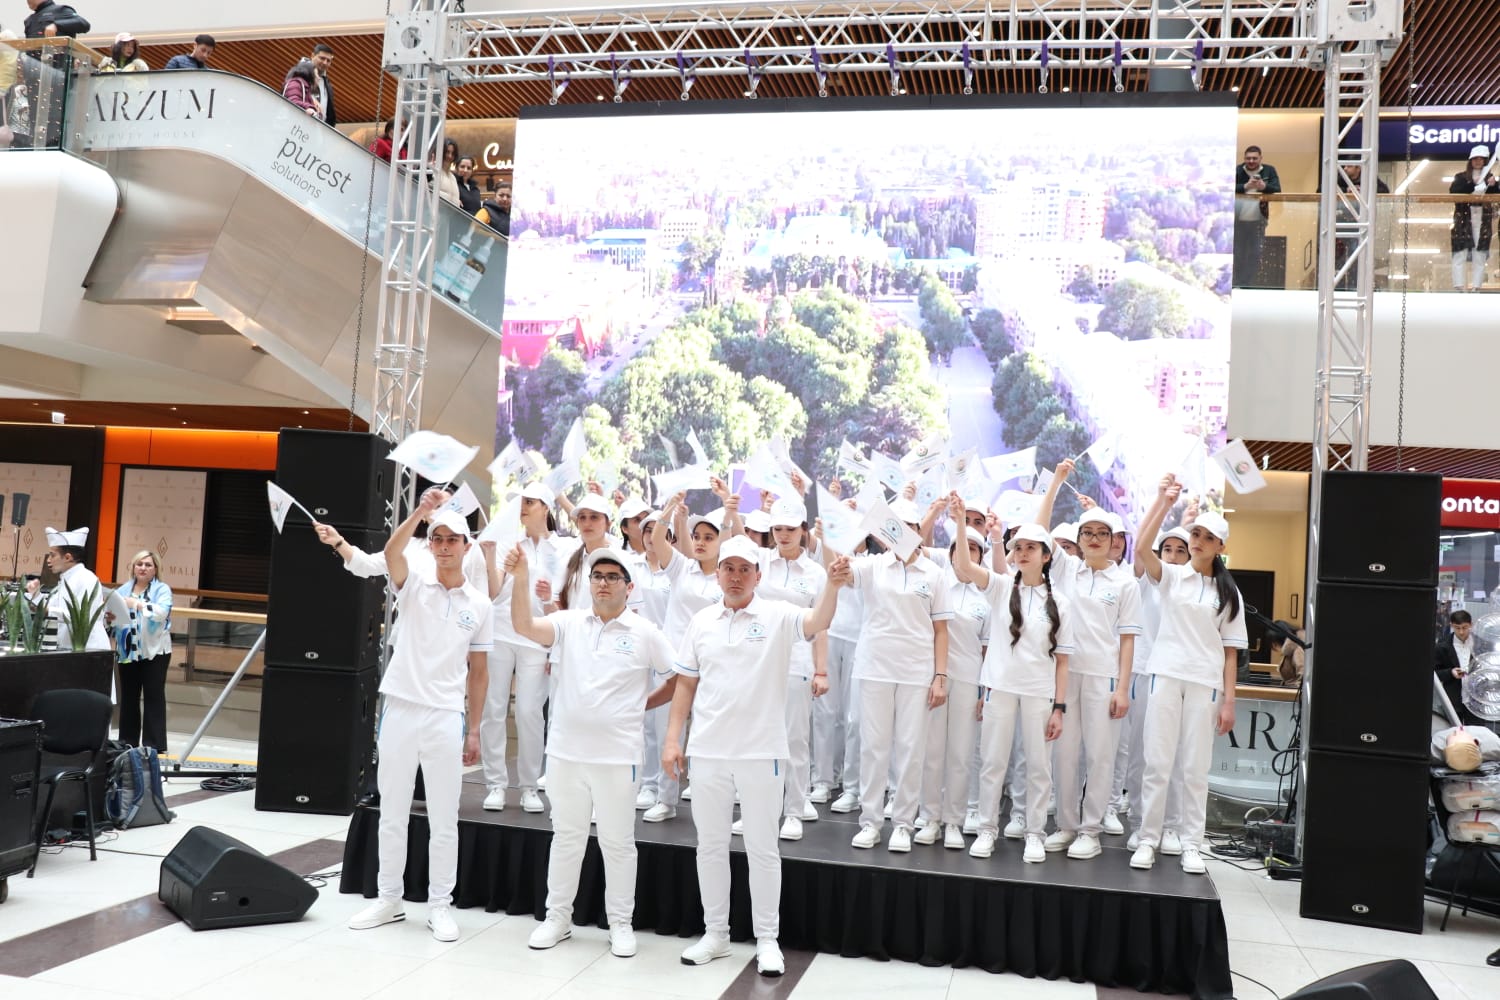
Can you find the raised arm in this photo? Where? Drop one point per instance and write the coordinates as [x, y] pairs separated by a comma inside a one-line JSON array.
[[820, 616], [964, 566], [395, 546], [528, 626], [1059, 476], [929, 519], [1146, 559], [661, 549]]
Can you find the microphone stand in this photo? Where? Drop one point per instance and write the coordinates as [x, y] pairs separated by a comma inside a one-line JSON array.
[[1274, 630]]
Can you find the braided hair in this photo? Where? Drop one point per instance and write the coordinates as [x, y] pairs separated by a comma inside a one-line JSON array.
[[1229, 592], [1052, 615]]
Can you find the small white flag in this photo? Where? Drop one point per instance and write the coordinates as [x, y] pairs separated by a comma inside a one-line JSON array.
[[1015, 465], [607, 476], [764, 470], [281, 504], [464, 502], [890, 530], [959, 469], [1043, 480], [1195, 470], [574, 445], [783, 455], [1239, 467], [434, 456], [1103, 451], [700, 457], [691, 477], [671, 450], [1015, 507], [869, 495], [924, 456], [504, 528], [510, 464], [564, 475], [851, 459], [930, 486], [841, 531], [887, 470]]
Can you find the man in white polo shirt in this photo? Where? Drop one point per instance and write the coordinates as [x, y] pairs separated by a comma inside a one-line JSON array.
[[604, 658], [440, 655], [734, 664]]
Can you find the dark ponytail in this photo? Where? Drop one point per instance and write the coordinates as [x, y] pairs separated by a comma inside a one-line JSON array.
[[1229, 593], [1052, 614], [1015, 611], [575, 566]]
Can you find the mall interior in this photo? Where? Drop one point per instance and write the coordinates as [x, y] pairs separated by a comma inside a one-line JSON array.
[[197, 301]]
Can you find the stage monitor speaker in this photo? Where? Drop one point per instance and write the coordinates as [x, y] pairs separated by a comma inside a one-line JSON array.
[[211, 880], [318, 613], [1395, 980], [1371, 679], [1363, 861], [1380, 528], [317, 739], [343, 477]]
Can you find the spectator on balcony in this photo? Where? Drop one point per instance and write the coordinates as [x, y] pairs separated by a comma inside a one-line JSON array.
[[1349, 180], [124, 56], [384, 142], [495, 212], [1252, 179], [203, 51], [469, 195], [53, 20], [321, 62], [447, 181], [301, 88], [1473, 224]]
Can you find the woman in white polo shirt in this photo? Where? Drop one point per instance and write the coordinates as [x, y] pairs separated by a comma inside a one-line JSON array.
[[1194, 664], [903, 675], [565, 584], [1026, 679]]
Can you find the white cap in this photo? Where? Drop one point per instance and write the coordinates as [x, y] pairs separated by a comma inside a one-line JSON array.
[[77, 538], [1116, 522], [1094, 515], [714, 520], [1066, 532], [1029, 533], [611, 555], [1479, 152], [540, 491], [1180, 533], [633, 507], [593, 502], [450, 519], [788, 514], [740, 547], [906, 510], [977, 538], [975, 502], [758, 520], [1213, 523]]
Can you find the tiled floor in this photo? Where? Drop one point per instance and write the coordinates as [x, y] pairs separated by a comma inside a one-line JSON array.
[[320, 958]]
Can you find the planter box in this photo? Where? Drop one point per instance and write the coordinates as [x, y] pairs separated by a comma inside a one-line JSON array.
[[23, 677]]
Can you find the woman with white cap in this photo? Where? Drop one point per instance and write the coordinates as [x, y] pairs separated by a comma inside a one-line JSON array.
[[1025, 676], [1194, 664], [1473, 225], [903, 675], [953, 726], [1106, 620], [124, 56], [568, 586]]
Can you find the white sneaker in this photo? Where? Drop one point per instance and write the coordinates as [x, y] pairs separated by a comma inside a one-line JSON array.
[[809, 812], [1170, 842], [1084, 847], [1036, 850], [953, 837], [1134, 841], [549, 934], [900, 842], [868, 836], [768, 960], [791, 828], [705, 950], [440, 921], [1112, 824], [1144, 857], [659, 812], [494, 799], [1058, 841], [1015, 830], [382, 911], [687, 793], [532, 802], [971, 822], [1192, 861], [645, 799], [820, 792], [847, 802], [737, 828], [929, 833], [621, 941], [983, 846], [541, 782]]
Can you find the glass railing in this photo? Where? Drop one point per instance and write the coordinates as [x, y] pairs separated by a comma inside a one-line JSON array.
[[39, 104], [1412, 243]]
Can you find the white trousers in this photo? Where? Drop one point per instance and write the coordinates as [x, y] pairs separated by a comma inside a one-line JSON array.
[[528, 668], [892, 735], [849, 778], [799, 704], [1004, 714], [759, 784], [1180, 721], [1017, 773], [950, 750], [1089, 738], [1469, 264], [412, 735], [1140, 699], [828, 727], [668, 789], [606, 792]]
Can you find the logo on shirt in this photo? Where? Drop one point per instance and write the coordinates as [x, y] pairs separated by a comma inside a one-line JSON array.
[[755, 633], [922, 587], [1107, 596], [978, 612], [467, 621], [625, 644], [802, 587]]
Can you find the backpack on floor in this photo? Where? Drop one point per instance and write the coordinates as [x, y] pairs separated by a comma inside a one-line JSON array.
[[135, 796]]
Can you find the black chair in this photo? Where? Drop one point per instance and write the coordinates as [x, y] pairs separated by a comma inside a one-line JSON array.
[[74, 722]]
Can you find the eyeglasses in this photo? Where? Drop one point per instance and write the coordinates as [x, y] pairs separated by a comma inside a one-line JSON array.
[[609, 578], [1096, 535]]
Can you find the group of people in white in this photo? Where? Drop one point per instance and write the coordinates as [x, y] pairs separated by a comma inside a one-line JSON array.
[[738, 652]]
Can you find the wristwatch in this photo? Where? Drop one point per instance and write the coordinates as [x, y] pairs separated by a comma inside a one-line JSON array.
[[1060, 706]]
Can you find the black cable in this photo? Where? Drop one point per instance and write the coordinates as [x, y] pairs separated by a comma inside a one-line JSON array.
[[1257, 982], [227, 784]]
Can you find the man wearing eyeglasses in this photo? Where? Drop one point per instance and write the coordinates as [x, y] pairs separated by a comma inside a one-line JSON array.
[[603, 663]]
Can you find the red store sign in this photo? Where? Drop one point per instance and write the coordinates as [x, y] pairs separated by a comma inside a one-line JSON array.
[[1471, 503]]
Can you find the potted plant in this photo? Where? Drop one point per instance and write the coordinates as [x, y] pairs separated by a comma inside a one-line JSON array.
[[81, 614]]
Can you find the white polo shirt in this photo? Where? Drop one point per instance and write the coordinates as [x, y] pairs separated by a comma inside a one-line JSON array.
[[740, 659], [537, 553], [901, 603], [798, 582], [968, 632], [692, 590], [848, 617], [1106, 605], [1150, 625], [1026, 669], [601, 680], [1194, 631], [439, 629]]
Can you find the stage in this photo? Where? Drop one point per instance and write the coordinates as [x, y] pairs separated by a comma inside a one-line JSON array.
[[1098, 921]]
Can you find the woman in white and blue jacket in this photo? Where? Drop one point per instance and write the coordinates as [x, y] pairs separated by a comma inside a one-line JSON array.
[[143, 646]]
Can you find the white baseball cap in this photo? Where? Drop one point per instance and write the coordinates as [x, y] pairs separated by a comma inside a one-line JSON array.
[[450, 519], [977, 538], [610, 555], [1213, 523], [540, 491], [1029, 533], [633, 507], [593, 502], [1180, 533], [758, 520], [1066, 532], [1115, 521], [740, 547], [906, 510], [788, 514], [1094, 515], [1479, 152], [714, 519]]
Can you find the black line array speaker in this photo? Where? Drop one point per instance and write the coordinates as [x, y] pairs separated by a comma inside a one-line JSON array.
[[211, 880], [318, 613], [317, 739], [344, 478], [1380, 528], [1396, 980]]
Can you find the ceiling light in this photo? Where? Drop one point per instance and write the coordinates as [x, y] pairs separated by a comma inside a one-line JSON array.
[[1443, 221], [1067, 89], [1235, 89], [598, 97]]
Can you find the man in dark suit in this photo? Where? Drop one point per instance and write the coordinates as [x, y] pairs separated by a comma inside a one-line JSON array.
[[1452, 659]]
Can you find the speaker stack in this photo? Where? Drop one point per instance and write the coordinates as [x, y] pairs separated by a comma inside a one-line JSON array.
[[1370, 700], [318, 696]]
